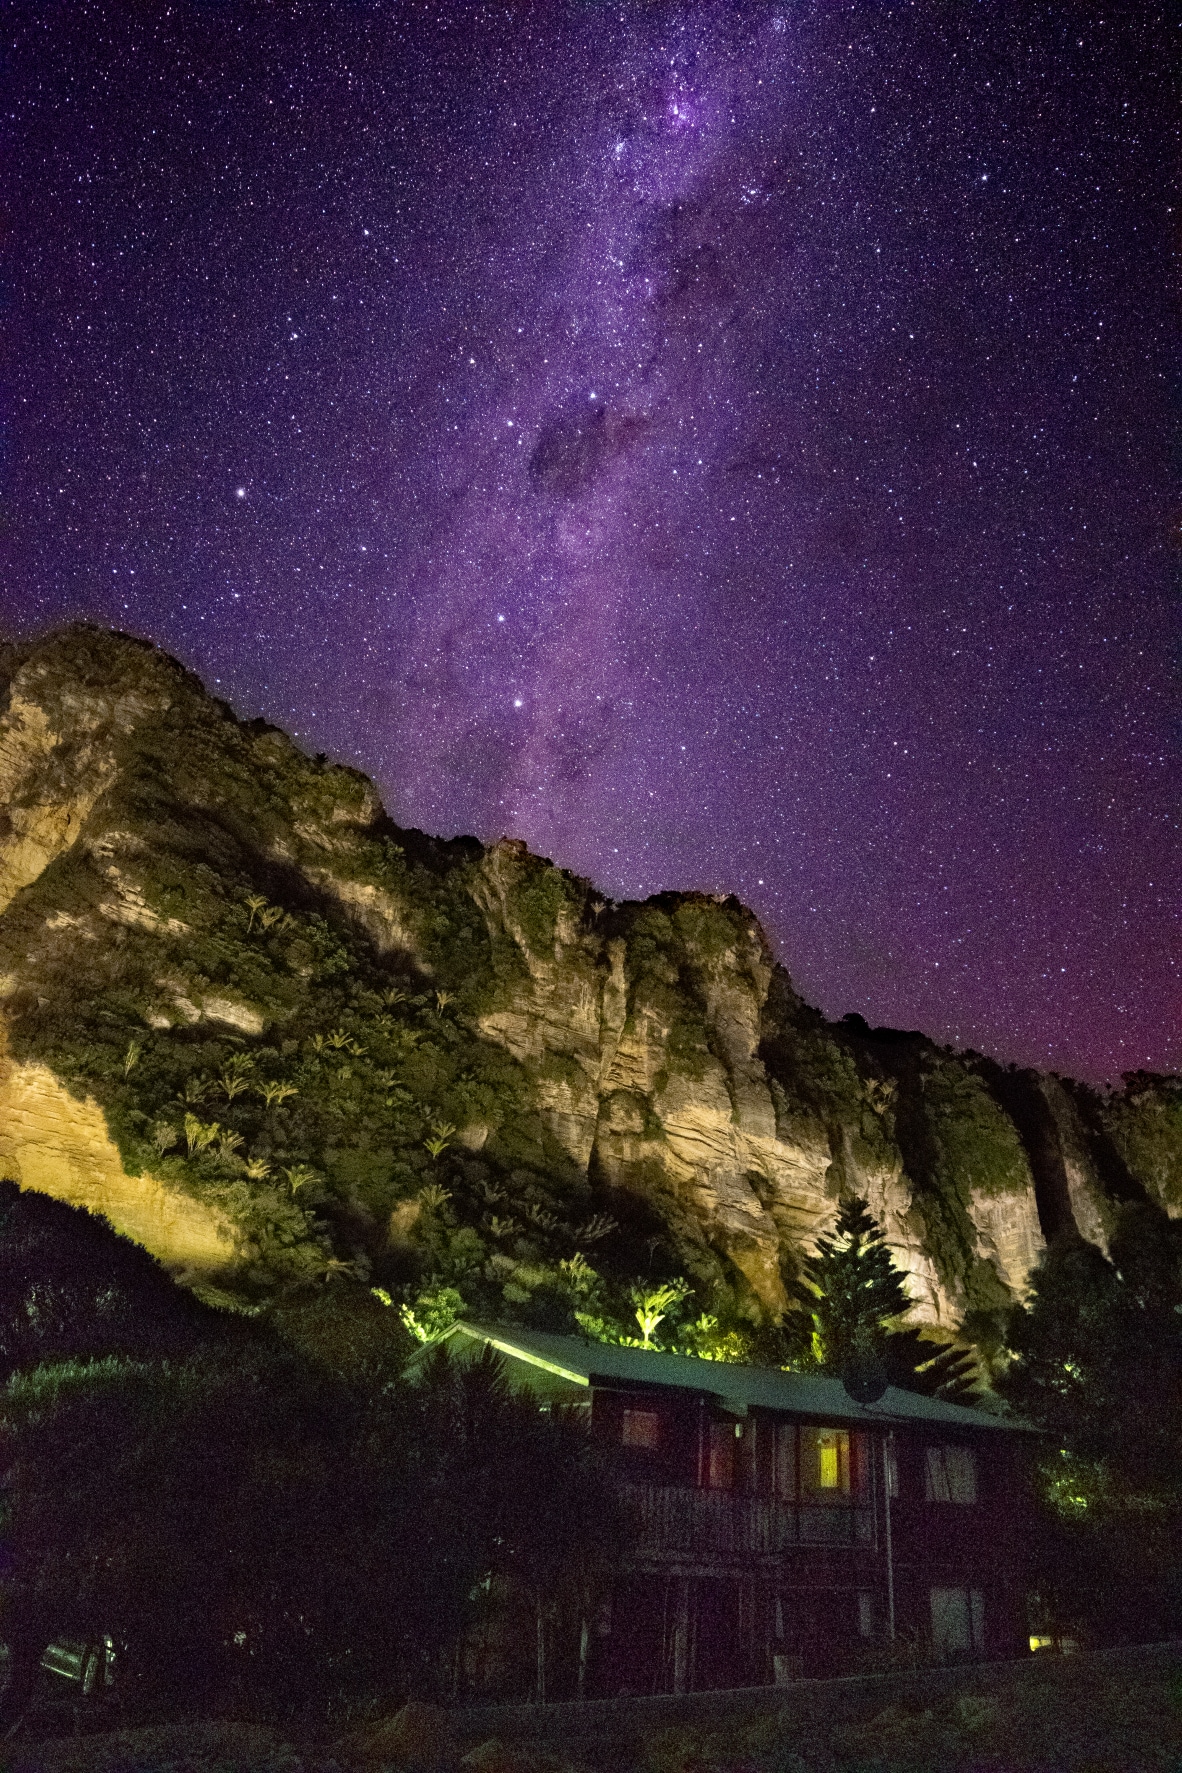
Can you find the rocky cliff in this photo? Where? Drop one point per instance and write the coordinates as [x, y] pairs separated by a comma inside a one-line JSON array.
[[274, 1037]]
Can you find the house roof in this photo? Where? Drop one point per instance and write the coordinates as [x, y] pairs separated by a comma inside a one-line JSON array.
[[736, 1388]]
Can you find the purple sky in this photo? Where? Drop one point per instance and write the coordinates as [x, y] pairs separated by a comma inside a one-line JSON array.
[[726, 446]]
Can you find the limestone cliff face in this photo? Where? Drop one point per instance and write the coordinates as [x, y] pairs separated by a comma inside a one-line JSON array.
[[59, 1146], [200, 928]]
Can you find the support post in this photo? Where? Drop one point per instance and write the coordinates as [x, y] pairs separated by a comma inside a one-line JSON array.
[[541, 1696], [584, 1654], [888, 1444], [681, 1637]]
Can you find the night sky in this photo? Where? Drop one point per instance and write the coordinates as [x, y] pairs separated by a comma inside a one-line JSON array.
[[725, 446]]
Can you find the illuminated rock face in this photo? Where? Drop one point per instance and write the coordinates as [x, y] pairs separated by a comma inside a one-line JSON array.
[[56, 1145], [655, 1050]]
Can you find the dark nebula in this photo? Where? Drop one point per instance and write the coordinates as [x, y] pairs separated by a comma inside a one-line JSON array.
[[726, 446]]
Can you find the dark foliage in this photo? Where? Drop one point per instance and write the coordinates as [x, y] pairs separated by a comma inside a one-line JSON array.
[[264, 1535], [915, 1362], [70, 1286], [1097, 1363], [851, 1287]]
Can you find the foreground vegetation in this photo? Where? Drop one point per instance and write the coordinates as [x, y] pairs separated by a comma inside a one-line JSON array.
[[1064, 1718], [304, 1513], [266, 1515]]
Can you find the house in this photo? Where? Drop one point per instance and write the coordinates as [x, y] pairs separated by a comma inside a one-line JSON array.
[[782, 1529]]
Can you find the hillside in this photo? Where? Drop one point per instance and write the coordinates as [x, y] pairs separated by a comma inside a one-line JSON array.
[[275, 1038]]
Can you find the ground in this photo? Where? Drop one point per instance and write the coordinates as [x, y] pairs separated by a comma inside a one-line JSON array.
[[1118, 1712]]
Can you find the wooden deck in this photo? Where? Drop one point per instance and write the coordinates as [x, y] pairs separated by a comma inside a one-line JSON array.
[[680, 1522]]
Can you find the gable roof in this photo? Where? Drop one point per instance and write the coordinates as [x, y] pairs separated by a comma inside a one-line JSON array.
[[736, 1388]]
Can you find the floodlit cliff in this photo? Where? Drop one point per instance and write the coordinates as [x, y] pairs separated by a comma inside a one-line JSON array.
[[275, 1038]]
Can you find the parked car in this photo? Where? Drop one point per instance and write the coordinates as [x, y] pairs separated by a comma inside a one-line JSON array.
[[92, 1665]]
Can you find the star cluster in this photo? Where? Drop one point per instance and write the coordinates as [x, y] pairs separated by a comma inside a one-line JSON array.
[[724, 445]]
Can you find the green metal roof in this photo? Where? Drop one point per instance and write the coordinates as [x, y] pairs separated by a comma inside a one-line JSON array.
[[735, 1388]]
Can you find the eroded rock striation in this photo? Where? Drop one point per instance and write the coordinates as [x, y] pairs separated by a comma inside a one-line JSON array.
[[273, 1036]]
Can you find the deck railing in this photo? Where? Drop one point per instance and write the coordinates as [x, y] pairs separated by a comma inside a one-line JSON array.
[[672, 1520]]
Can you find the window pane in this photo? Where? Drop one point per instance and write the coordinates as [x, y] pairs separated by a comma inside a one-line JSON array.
[[937, 1477], [951, 1474], [962, 1474], [827, 1459], [951, 1622], [642, 1428]]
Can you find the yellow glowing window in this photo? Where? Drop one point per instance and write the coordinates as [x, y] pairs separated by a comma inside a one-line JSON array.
[[827, 1466]]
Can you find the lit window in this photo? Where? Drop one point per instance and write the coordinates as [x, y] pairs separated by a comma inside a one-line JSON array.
[[642, 1428], [958, 1622], [827, 1459], [951, 1474]]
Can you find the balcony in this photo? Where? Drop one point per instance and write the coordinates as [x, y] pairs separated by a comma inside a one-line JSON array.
[[672, 1521]]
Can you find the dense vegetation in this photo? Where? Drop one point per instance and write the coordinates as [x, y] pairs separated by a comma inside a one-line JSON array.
[[1096, 1361], [268, 1517]]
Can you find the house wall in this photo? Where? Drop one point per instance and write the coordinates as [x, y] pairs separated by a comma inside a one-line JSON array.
[[745, 1571], [747, 1584]]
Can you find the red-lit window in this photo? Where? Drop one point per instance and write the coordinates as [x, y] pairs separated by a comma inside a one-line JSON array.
[[720, 1456], [641, 1428]]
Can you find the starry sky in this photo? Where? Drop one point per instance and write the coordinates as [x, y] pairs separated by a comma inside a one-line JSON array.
[[725, 445]]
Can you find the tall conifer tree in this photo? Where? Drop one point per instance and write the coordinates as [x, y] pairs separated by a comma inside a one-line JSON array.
[[852, 1289], [855, 1296]]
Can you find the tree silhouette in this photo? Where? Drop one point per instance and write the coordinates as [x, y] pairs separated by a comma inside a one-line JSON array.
[[72, 1286], [852, 1289], [855, 1295], [1096, 1362]]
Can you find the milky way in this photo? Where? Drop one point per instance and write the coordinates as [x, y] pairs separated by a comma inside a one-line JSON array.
[[724, 446]]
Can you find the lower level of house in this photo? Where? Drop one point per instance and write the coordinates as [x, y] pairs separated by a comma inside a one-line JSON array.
[[678, 1631], [672, 1626]]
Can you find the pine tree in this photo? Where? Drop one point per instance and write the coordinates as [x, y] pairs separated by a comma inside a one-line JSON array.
[[852, 1289], [855, 1296]]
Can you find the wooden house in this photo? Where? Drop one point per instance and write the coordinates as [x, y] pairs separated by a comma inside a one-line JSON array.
[[782, 1529]]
